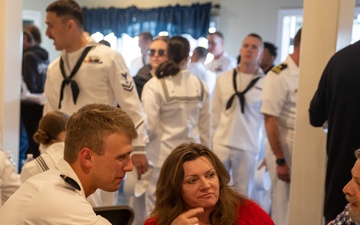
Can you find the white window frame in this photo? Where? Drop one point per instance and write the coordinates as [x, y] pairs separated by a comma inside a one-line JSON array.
[[283, 40], [32, 15]]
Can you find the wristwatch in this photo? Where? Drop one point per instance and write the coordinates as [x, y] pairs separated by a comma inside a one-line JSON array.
[[280, 161]]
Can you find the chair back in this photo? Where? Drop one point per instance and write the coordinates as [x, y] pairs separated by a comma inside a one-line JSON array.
[[116, 215]]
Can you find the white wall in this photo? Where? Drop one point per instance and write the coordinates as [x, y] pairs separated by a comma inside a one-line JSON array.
[[10, 74], [241, 17], [40, 5]]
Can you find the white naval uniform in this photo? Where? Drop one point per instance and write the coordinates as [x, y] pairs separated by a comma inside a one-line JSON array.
[[222, 64], [102, 78], [236, 134], [51, 156], [209, 77], [280, 93], [9, 179], [178, 111], [138, 63], [47, 199]]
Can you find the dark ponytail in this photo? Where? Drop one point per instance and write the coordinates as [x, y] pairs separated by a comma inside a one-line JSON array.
[[167, 68], [177, 50]]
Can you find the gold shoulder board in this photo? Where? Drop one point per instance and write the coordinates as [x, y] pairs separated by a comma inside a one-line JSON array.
[[279, 68]]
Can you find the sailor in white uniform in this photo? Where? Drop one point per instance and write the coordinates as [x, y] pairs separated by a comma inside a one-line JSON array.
[[198, 68], [88, 72], [279, 109], [222, 61], [176, 103], [145, 40], [236, 117]]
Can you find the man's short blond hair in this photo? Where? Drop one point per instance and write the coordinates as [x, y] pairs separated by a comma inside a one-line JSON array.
[[88, 128]]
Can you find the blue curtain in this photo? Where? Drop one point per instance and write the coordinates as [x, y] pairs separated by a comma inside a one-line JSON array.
[[176, 20]]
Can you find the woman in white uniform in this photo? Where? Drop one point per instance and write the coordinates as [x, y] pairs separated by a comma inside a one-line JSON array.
[[50, 135], [176, 103]]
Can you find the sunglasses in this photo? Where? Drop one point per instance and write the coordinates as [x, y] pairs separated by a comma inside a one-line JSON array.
[[160, 52]]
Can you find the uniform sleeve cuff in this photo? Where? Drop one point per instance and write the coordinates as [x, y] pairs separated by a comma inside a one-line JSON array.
[[139, 150]]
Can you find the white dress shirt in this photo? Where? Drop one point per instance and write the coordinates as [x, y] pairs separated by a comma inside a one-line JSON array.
[[280, 94], [209, 77], [138, 63], [222, 64], [47, 199], [52, 155]]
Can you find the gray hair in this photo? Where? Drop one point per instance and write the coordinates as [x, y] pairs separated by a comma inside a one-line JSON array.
[[357, 153]]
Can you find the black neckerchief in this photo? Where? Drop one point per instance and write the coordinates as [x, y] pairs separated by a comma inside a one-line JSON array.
[[68, 80], [241, 95]]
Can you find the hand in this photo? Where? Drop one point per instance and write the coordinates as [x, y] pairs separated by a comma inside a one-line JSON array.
[[261, 164], [141, 163], [188, 217], [283, 172]]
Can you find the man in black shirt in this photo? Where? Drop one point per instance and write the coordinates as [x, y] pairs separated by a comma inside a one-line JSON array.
[[34, 66], [337, 102]]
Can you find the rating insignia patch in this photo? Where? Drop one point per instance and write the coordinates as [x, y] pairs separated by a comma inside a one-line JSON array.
[[126, 84]]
